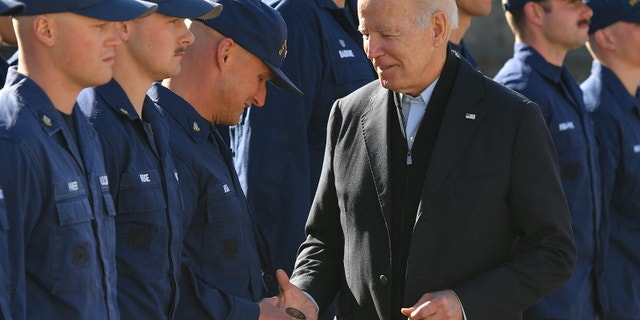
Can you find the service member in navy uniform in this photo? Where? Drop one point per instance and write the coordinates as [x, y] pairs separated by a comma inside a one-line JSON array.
[[611, 92], [544, 32], [224, 71], [279, 148], [135, 141], [7, 8], [55, 190]]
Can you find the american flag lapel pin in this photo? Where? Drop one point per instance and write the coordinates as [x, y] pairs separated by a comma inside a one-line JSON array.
[[470, 116]]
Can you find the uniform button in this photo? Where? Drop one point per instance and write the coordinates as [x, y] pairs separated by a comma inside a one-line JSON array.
[[383, 279]]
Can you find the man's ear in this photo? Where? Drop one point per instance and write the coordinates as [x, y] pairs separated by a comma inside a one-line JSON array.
[[439, 28], [44, 28], [225, 48], [124, 30], [605, 39], [534, 12]]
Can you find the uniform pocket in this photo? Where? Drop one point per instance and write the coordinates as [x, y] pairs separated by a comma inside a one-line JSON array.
[[74, 267], [141, 225], [348, 61], [225, 248], [140, 192]]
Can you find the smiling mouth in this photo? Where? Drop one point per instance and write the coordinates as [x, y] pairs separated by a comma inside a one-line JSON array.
[[382, 68]]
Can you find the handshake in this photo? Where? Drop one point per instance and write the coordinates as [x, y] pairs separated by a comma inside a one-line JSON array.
[[291, 303]]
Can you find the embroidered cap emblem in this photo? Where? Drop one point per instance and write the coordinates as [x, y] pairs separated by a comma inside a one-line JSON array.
[[283, 50]]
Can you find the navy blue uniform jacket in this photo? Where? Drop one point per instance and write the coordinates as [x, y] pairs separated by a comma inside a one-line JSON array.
[[616, 115], [144, 186], [573, 134], [221, 270], [56, 192]]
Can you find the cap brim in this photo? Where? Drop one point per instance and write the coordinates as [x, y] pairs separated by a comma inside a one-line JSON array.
[[119, 10], [10, 7], [282, 82], [192, 9]]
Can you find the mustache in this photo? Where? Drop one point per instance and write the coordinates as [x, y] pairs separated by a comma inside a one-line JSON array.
[[181, 50]]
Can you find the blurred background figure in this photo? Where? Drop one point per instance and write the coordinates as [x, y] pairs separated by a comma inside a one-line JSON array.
[[279, 148], [7, 7], [611, 92], [545, 31], [7, 34]]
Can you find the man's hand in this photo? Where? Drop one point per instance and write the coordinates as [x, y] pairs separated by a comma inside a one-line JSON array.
[[441, 305], [292, 296], [269, 310]]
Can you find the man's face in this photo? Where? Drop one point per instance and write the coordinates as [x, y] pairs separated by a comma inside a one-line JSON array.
[[627, 37], [85, 48], [157, 43], [565, 23], [401, 51], [242, 84]]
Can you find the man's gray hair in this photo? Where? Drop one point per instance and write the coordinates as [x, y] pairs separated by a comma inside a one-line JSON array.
[[428, 7]]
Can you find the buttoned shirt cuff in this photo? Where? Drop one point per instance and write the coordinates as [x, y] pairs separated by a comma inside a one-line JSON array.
[[314, 301], [464, 315]]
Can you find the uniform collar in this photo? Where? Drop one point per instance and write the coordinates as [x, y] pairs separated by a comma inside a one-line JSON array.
[[117, 99], [559, 76], [34, 99], [529, 55], [197, 127]]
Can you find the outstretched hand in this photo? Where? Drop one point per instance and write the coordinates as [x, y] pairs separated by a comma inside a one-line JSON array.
[[292, 297]]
